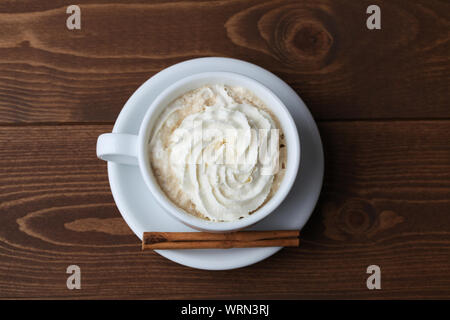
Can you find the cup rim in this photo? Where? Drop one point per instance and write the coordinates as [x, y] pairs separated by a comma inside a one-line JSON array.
[[293, 155]]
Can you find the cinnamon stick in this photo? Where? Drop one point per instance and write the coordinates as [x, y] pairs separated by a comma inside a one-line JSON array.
[[206, 240]]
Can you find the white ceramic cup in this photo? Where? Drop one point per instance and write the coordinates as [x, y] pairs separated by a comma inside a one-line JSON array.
[[131, 149]]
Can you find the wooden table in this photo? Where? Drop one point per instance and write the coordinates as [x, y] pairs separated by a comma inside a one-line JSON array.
[[380, 98]]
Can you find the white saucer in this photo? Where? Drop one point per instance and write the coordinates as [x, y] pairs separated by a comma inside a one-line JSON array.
[[142, 213]]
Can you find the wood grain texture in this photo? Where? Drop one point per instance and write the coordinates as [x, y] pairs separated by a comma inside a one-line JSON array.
[[320, 47], [385, 201]]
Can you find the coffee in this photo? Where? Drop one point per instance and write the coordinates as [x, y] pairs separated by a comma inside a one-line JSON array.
[[218, 152]]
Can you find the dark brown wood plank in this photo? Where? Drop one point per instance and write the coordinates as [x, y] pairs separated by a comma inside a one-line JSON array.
[[385, 201], [321, 48]]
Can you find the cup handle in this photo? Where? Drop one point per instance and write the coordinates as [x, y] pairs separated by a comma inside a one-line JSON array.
[[118, 147]]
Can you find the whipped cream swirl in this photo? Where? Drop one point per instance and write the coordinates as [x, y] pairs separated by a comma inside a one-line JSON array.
[[215, 153]]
